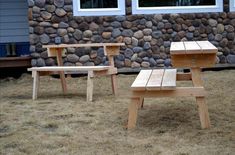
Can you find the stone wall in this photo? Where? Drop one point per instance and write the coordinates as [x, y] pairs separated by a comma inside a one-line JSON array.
[[147, 37]]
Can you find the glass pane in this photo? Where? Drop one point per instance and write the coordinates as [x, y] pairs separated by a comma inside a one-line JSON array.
[[96, 4], [162, 3]]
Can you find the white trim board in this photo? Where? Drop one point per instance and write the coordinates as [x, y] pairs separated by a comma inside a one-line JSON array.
[[176, 9], [232, 5], [120, 10]]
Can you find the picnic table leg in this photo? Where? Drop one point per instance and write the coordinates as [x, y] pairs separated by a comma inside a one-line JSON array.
[[114, 83], [201, 102], [62, 76], [133, 110], [35, 75], [141, 103], [89, 86]]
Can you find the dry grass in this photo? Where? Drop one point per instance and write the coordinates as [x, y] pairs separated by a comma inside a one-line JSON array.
[[57, 124]]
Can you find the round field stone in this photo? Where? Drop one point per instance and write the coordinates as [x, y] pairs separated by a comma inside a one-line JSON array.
[[127, 24], [44, 38], [120, 18], [84, 58], [212, 22], [128, 53], [135, 65], [134, 41], [77, 34], [145, 64], [60, 12], [40, 3], [40, 62], [59, 3], [46, 15], [127, 33], [139, 34], [116, 33], [72, 58], [87, 34], [137, 49]]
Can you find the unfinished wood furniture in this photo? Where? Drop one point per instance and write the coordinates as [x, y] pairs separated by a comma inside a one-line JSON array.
[[110, 50], [162, 82]]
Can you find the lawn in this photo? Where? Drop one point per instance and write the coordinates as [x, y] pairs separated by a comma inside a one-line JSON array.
[[66, 124]]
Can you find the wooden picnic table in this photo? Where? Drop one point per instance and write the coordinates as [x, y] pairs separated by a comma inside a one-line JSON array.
[[110, 50], [162, 82]]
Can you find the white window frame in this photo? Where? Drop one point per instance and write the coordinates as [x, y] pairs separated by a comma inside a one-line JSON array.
[[77, 11], [176, 9], [232, 5]]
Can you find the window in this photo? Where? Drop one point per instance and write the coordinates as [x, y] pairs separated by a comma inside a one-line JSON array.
[[176, 6], [232, 5], [98, 7]]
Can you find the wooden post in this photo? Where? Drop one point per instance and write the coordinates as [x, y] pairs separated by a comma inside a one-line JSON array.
[[110, 51], [114, 83], [35, 84], [202, 106], [133, 110], [89, 86], [60, 63]]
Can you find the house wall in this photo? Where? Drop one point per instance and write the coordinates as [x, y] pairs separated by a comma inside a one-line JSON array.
[[147, 37], [13, 21]]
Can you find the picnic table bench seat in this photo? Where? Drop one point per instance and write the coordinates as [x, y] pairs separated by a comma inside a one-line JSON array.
[[92, 71], [158, 79]]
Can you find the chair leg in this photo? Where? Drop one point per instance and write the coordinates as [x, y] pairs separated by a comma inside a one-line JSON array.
[[133, 110], [89, 86], [35, 75], [114, 83], [203, 112]]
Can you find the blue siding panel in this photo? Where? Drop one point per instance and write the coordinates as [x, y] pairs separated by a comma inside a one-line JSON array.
[[14, 21]]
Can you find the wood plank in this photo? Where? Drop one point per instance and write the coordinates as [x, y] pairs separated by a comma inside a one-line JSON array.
[[155, 80], [141, 80], [69, 68], [201, 102], [203, 112], [35, 84], [83, 45], [183, 76], [15, 62], [110, 71], [89, 86], [62, 76], [169, 79], [52, 52], [111, 50], [207, 47], [114, 83], [178, 92], [194, 60], [177, 48], [132, 113], [192, 47]]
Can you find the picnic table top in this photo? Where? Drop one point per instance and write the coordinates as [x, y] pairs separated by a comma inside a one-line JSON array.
[[192, 47]]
